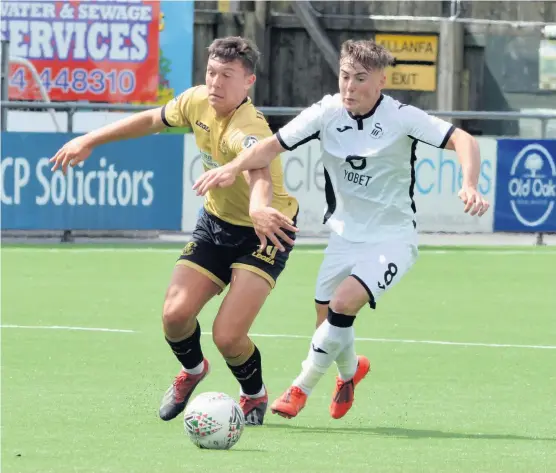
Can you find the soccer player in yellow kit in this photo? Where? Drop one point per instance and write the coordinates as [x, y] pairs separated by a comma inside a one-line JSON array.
[[224, 248]]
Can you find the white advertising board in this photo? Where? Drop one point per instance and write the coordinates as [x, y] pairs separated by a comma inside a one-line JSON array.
[[438, 179]]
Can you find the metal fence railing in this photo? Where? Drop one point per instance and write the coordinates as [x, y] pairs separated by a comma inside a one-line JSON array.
[[72, 107]]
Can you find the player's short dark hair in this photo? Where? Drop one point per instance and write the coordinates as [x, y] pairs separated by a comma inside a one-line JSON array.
[[235, 47], [367, 53]]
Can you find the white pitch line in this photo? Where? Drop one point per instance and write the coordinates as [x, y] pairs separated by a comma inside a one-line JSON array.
[[461, 344], [488, 252], [399, 340], [303, 337], [299, 249], [430, 251], [76, 249], [62, 327]]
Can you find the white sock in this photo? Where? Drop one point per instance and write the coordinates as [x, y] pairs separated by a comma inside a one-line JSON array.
[[328, 341], [346, 362], [197, 370], [261, 393], [309, 377]]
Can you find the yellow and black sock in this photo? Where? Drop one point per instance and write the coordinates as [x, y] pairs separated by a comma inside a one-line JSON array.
[[188, 351], [247, 369]]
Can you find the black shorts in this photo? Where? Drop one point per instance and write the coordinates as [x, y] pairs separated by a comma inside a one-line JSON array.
[[216, 247]]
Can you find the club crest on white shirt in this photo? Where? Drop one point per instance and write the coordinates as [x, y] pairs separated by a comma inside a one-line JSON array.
[[377, 131]]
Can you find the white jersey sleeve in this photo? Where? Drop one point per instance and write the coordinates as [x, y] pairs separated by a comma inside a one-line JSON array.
[[423, 127], [303, 128]]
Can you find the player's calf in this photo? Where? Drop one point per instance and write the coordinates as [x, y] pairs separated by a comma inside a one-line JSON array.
[[188, 292], [246, 366], [239, 309], [195, 369], [328, 341], [247, 369], [351, 295]]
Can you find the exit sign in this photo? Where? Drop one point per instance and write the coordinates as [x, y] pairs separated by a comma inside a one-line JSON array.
[[416, 60]]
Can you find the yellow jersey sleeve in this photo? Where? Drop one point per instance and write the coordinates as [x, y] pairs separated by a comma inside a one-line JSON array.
[[244, 136], [176, 111]]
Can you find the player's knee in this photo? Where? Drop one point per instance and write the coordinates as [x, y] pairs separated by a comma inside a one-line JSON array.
[[177, 315], [344, 305], [350, 297], [228, 342]]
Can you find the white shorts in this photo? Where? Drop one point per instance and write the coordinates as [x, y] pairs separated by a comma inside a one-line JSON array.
[[377, 266]]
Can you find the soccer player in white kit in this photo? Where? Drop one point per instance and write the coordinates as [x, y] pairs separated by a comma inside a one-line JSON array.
[[368, 142]]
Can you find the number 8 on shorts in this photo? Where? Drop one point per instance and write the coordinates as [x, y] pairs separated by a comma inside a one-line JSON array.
[[377, 266]]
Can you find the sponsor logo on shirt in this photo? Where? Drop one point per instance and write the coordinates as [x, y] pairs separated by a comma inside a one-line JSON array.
[[200, 124]]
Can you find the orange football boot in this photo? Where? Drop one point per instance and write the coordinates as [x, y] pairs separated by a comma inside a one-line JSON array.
[[290, 403], [343, 395]]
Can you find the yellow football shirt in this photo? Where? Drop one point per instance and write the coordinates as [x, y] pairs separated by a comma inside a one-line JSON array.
[[221, 139]]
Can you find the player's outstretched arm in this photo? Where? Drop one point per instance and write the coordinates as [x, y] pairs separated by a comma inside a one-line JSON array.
[[260, 155], [467, 150], [267, 221], [80, 148], [257, 156]]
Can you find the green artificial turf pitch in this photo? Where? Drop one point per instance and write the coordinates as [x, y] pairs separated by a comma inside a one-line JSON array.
[[87, 401]]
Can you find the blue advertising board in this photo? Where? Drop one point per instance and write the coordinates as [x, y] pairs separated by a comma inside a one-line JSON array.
[[177, 37], [525, 186], [129, 185]]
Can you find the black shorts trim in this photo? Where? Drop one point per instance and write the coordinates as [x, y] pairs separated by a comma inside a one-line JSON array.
[[321, 302], [255, 270], [217, 247], [200, 269], [372, 302]]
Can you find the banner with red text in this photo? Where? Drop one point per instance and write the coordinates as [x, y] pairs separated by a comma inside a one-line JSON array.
[[98, 51]]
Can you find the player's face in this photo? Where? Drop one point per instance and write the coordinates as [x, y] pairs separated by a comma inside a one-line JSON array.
[[359, 88], [228, 84]]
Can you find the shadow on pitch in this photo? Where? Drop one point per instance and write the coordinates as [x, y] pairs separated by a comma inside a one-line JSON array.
[[248, 450], [398, 432]]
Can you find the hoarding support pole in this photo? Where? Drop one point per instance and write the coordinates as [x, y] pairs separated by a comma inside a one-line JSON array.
[[4, 89], [450, 63], [539, 240], [67, 237]]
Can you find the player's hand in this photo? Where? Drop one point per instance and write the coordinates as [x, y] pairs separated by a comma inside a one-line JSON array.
[[475, 204], [270, 224], [220, 177], [72, 153]]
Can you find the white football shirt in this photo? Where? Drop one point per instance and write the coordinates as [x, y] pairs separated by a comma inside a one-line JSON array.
[[369, 163]]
